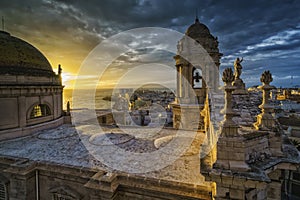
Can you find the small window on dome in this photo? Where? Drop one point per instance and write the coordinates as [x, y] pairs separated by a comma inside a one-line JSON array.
[[40, 110]]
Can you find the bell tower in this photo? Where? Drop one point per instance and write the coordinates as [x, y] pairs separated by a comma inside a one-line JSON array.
[[194, 79]]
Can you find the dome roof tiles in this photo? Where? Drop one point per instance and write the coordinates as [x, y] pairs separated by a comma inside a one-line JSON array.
[[197, 30], [18, 57]]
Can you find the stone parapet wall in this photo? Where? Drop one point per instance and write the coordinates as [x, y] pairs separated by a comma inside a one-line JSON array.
[[88, 183], [30, 80], [21, 132], [15, 91], [17, 104]]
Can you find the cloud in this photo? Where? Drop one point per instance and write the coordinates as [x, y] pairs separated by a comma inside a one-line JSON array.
[[265, 33]]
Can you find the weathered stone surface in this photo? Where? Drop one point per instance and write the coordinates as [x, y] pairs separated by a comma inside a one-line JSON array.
[[237, 194], [240, 87]]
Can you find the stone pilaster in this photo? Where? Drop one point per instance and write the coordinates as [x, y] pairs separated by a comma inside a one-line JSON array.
[[22, 111], [265, 120], [22, 182]]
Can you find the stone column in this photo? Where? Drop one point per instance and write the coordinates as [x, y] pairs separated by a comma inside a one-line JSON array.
[[230, 147], [185, 82], [178, 90], [265, 120], [231, 155], [229, 127]]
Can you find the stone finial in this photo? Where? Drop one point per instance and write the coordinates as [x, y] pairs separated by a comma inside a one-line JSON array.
[[265, 120], [266, 77], [230, 156], [227, 77], [229, 127]]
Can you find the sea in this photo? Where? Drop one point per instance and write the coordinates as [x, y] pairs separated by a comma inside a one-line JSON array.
[[84, 101]]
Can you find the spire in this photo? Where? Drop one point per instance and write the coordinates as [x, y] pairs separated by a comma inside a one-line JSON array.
[[197, 19]]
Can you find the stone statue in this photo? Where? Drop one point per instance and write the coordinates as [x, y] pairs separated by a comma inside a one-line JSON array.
[[237, 68], [238, 82], [68, 107], [121, 104], [59, 69]]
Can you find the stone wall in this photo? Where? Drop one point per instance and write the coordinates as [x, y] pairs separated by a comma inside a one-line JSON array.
[[187, 117], [29, 80], [9, 113], [85, 183], [21, 132], [17, 103]]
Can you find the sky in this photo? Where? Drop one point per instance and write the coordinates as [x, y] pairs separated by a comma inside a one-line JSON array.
[[265, 33]]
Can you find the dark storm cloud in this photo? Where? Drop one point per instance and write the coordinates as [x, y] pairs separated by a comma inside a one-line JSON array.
[[265, 33]]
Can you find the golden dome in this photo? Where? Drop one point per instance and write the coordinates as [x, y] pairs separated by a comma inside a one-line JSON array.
[[18, 57]]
